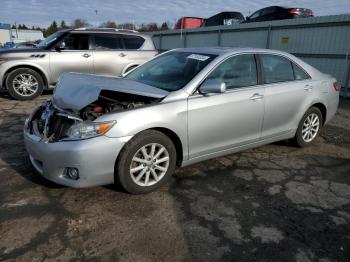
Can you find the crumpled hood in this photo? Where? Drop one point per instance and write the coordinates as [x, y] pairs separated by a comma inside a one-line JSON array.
[[75, 91]]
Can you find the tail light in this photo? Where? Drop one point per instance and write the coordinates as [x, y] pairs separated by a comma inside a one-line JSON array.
[[294, 11], [336, 86]]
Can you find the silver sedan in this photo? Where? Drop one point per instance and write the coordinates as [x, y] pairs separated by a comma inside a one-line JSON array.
[[182, 107]]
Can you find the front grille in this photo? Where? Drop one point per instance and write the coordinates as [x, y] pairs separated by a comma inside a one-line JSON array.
[[50, 123]]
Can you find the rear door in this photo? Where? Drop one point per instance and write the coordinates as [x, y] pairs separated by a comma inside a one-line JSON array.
[[135, 51], [217, 122], [109, 54], [288, 89], [73, 55]]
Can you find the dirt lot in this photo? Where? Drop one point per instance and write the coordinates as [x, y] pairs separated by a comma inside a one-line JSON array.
[[273, 203]]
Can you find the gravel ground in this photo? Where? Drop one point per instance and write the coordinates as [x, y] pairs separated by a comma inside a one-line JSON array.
[[273, 203]]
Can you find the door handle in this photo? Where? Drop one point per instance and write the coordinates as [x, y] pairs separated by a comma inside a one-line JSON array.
[[308, 88], [86, 55], [122, 55], [257, 96]]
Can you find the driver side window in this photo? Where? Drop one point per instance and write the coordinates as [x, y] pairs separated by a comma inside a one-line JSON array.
[[237, 71]]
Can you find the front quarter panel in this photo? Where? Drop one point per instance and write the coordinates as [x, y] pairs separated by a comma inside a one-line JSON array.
[[171, 115], [40, 63]]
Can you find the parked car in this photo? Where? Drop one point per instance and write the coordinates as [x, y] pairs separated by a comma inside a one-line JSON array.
[[9, 45], [25, 45], [179, 108], [24, 73], [189, 23], [279, 13], [224, 18]]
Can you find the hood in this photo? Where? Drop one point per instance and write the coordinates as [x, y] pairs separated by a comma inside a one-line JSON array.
[[75, 91], [21, 50]]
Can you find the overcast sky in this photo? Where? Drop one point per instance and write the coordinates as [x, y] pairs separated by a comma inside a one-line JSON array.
[[42, 12]]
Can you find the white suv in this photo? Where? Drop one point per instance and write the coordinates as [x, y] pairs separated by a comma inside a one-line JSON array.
[[25, 73]]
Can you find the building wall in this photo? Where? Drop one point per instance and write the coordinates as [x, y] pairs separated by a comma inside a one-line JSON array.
[[5, 36], [5, 33], [20, 35], [323, 42]]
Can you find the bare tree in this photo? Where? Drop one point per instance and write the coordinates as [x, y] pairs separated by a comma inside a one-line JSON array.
[[79, 23], [108, 24]]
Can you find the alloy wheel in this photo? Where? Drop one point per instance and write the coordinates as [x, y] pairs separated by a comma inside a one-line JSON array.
[[310, 128], [25, 84], [149, 164]]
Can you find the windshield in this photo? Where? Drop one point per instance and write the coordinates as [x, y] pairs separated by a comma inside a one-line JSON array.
[[171, 71], [47, 41]]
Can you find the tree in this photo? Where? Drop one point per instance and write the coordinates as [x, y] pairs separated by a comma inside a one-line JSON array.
[[164, 26], [51, 29], [108, 24], [79, 23], [152, 27], [63, 25]]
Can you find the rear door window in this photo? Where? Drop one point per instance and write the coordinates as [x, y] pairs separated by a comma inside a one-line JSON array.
[[276, 69], [132, 42], [108, 42], [299, 74]]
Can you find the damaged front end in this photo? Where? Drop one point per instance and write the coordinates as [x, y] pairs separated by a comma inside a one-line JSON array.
[[71, 113]]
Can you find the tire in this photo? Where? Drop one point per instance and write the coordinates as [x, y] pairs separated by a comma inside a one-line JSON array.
[[312, 114], [32, 80], [133, 151]]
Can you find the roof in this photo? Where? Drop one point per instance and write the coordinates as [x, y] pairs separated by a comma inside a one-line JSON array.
[[224, 50], [108, 30]]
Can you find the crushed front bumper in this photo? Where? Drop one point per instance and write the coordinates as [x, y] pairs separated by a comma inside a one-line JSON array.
[[94, 158]]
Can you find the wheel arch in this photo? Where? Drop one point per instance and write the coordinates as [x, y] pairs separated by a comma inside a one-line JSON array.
[[25, 66], [175, 139], [322, 107], [171, 135], [129, 67]]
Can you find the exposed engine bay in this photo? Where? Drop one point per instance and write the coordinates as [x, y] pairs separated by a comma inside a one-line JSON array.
[[52, 123], [111, 102]]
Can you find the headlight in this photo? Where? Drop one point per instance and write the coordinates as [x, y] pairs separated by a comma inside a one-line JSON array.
[[85, 130]]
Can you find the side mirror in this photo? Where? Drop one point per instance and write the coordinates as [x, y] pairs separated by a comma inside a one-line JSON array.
[[61, 46], [212, 86]]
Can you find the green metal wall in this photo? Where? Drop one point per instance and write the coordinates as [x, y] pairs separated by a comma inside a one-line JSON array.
[[323, 42]]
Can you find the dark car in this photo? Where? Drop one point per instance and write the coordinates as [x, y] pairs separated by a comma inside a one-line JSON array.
[[9, 45], [224, 18], [279, 13], [25, 45]]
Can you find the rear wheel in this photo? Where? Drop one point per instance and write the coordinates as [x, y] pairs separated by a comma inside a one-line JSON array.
[[309, 127], [24, 84], [146, 162]]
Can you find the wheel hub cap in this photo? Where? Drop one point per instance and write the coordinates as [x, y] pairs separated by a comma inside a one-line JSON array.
[[310, 128], [149, 164], [25, 84]]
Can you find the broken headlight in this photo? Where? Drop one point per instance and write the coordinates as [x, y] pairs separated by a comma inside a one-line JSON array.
[[84, 130]]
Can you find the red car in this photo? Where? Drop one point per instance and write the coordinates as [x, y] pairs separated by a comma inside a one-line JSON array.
[[189, 22]]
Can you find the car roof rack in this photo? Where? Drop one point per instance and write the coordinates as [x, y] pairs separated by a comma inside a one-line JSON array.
[[106, 30]]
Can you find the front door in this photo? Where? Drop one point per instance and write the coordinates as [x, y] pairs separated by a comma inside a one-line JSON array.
[[71, 55], [217, 122]]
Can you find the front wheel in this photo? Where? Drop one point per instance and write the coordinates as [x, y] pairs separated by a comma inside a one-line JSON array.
[[309, 127], [146, 162], [24, 84]]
